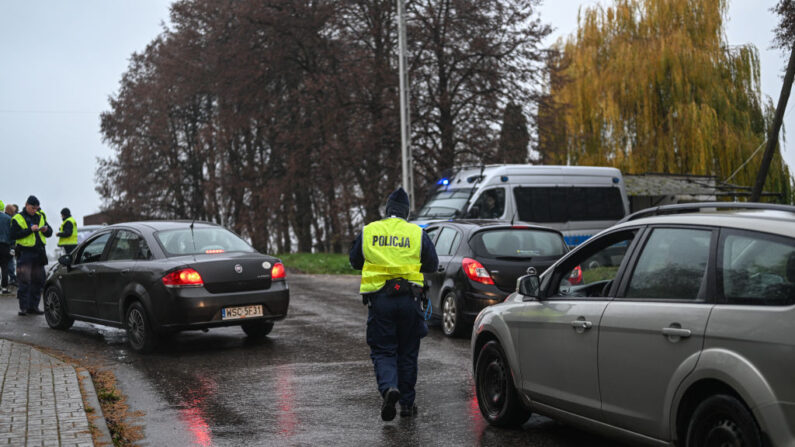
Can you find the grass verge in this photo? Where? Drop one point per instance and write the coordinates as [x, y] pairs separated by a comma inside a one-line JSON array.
[[318, 263]]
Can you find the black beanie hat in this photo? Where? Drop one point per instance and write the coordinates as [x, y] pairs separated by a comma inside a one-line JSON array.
[[398, 203], [32, 200], [66, 212]]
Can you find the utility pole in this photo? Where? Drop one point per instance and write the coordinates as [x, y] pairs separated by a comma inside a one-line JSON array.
[[772, 138], [405, 120]]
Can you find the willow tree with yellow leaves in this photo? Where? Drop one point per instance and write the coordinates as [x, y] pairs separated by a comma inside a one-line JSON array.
[[653, 86]]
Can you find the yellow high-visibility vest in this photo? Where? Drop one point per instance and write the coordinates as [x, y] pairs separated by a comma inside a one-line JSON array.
[[30, 240], [392, 249], [71, 239]]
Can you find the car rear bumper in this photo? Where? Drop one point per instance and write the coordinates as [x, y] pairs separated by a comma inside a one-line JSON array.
[[196, 308], [475, 301]]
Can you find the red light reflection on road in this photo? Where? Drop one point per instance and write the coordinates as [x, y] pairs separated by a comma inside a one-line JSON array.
[[287, 420], [476, 422], [192, 411]]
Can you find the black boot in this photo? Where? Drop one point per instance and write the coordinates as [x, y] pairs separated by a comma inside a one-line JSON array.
[[408, 411], [391, 397]]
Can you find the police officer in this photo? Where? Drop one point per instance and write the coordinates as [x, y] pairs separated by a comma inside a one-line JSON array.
[[392, 253], [29, 229], [67, 234]]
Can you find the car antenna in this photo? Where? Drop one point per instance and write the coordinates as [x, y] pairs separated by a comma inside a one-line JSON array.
[[193, 238]]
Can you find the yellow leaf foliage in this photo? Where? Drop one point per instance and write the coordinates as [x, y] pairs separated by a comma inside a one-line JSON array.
[[652, 86]]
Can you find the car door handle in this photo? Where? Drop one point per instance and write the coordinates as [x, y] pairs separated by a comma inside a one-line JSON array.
[[676, 332], [581, 324], [91, 272], [125, 271]]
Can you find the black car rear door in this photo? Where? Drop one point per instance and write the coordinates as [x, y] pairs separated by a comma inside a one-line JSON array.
[[446, 245], [116, 272], [79, 282]]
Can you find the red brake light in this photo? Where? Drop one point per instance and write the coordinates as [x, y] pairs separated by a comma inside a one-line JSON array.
[[575, 277], [277, 271], [183, 278], [475, 271]]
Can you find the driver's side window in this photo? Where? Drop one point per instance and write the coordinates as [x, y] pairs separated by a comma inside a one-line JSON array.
[[592, 270], [92, 252]]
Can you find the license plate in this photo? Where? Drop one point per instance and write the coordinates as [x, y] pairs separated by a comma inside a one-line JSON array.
[[233, 313]]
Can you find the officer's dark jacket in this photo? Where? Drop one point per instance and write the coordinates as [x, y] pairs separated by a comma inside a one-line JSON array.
[[18, 233], [67, 228], [428, 258]]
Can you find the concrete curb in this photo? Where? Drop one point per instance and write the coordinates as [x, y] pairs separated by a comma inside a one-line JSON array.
[[93, 401]]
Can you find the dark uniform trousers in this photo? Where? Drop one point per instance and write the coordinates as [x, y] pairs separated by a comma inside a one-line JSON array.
[[30, 273], [68, 249], [395, 325]]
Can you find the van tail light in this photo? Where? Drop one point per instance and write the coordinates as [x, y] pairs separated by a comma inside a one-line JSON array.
[[183, 278], [475, 271], [277, 271], [575, 277]]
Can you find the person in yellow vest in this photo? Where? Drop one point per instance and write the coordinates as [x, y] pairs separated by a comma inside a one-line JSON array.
[[392, 254], [29, 229], [67, 234]]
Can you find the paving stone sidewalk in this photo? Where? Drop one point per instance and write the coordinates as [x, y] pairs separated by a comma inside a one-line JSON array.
[[40, 400]]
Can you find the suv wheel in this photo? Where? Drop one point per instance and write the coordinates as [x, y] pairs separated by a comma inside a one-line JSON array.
[[55, 310], [451, 316], [139, 331], [497, 397], [722, 420], [257, 329]]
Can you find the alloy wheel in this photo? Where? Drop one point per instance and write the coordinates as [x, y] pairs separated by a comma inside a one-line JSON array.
[[724, 433], [449, 314], [136, 327], [52, 307]]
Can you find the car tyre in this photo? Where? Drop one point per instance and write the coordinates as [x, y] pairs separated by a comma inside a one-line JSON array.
[[140, 334], [498, 399], [55, 310], [257, 329], [722, 420], [452, 326]]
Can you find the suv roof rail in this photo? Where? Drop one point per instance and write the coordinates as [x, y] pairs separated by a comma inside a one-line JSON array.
[[697, 206]]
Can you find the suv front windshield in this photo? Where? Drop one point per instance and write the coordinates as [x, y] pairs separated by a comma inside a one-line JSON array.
[[203, 240], [445, 203]]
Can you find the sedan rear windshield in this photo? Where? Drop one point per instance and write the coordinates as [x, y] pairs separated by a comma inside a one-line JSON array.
[[202, 240], [568, 203], [517, 243]]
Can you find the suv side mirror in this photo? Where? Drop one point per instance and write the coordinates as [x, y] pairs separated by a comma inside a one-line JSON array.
[[65, 260]]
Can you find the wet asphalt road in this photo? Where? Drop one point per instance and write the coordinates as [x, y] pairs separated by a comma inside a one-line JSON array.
[[309, 383]]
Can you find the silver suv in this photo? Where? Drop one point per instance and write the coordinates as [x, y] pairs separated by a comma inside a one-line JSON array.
[[675, 326]]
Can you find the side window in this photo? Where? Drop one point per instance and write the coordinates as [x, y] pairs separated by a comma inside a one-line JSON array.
[[592, 270], [128, 246], [93, 251], [445, 241], [490, 204], [673, 265], [454, 244], [432, 233], [757, 269]]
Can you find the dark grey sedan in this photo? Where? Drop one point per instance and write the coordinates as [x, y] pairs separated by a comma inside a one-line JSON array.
[[156, 278]]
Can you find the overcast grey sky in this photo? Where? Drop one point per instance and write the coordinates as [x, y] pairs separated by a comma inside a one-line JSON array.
[[62, 59]]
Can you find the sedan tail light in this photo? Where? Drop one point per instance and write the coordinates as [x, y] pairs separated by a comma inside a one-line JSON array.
[[475, 271], [575, 277], [183, 278], [277, 271]]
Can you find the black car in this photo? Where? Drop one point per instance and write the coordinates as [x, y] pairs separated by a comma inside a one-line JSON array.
[[156, 278], [479, 263]]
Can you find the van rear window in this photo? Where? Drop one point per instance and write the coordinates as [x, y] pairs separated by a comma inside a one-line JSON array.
[[568, 203]]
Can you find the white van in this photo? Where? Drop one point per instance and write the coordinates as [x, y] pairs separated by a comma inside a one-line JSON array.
[[579, 201]]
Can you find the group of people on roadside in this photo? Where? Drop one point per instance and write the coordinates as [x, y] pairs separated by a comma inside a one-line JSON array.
[[22, 250]]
